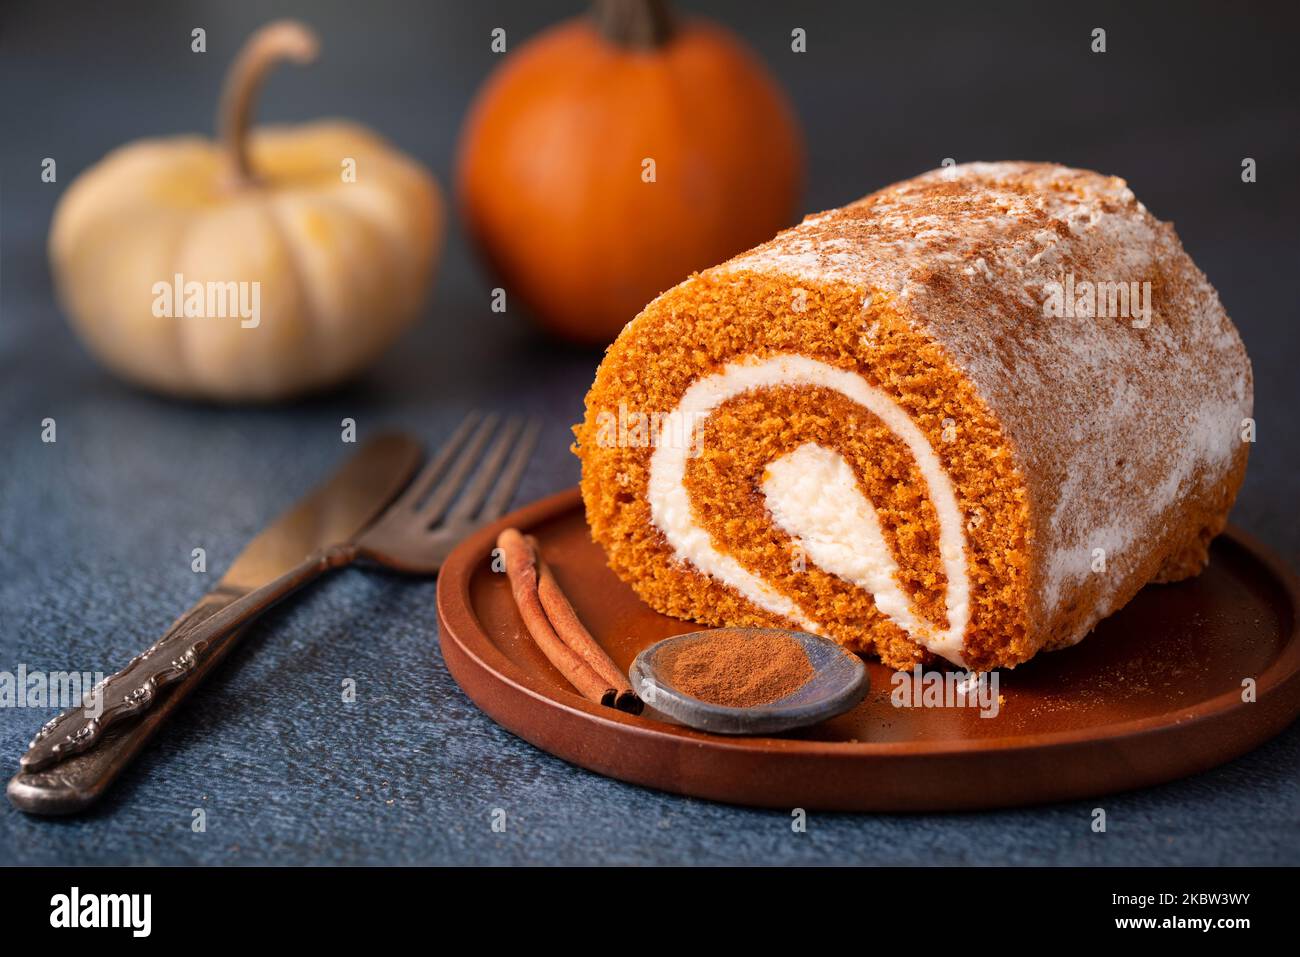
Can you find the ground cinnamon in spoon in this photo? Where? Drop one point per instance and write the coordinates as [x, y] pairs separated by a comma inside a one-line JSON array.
[[738, 668]]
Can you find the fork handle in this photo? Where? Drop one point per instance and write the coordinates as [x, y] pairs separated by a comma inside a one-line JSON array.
[[79, 780], [184, 653]]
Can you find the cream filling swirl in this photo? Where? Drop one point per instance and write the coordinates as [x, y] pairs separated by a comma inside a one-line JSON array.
[[815, 498]]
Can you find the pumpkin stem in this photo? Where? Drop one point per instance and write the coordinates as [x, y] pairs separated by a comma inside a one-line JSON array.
[[281, 40], [638, 24]]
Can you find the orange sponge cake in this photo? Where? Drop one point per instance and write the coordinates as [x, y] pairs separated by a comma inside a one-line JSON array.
[[963, 418]]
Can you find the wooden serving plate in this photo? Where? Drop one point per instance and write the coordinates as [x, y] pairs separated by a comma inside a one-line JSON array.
[[1155, 693]]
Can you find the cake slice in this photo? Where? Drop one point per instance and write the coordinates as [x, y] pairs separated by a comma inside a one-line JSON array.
[[964, 418]]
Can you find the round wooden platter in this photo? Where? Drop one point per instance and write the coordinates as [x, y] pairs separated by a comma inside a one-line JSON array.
[[1155, 693]]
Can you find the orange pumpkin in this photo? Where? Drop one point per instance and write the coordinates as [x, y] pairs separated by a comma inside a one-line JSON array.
[[613, 155]]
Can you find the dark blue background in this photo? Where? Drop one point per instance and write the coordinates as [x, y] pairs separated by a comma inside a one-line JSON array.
[[96, 530]]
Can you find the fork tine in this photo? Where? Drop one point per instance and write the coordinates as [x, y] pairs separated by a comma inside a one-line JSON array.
[[487, 473], [446, 490], [514, 472], [421, 484]]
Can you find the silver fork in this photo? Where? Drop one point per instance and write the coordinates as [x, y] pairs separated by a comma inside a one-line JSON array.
[[414, 535], [418, 531]]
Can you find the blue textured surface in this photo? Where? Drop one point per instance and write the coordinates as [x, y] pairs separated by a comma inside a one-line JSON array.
[[96, 530]]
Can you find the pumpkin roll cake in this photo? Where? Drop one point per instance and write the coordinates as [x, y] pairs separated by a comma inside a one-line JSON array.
[[964, 418]]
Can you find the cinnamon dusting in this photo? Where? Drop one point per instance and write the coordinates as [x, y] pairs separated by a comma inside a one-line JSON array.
[[738, 668]]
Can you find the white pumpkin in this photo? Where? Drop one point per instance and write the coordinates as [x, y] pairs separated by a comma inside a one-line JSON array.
[[305, 251]]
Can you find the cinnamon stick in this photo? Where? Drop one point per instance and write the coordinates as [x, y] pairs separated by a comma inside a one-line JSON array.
[[521, 569], [570, 629]]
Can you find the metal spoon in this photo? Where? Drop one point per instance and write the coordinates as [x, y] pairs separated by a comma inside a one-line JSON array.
[[838, 683]]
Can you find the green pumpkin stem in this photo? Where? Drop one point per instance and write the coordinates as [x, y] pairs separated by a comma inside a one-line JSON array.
[[268, 47]]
